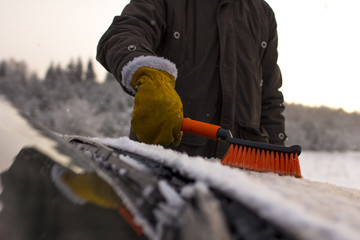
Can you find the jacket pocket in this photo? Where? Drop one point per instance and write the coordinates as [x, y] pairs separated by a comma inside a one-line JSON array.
[[193, 140], [254, 135]]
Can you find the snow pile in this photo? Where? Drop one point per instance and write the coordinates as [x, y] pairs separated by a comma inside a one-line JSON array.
[[310, 210]]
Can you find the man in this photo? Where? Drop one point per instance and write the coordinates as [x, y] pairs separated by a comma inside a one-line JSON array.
[[209, 60]]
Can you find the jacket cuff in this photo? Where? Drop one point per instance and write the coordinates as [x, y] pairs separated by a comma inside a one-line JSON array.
[[158, 63], [277, 137]]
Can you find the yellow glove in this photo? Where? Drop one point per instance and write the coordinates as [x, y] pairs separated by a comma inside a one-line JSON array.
[[91, 188], [158, 111]]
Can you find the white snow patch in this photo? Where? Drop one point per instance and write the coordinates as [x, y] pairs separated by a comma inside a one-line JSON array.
[[311, 210], [134, 163], [171, 196], [190, 190], [339, 168]]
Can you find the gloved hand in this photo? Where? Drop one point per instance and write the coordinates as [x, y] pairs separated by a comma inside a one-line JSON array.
[[82, 188], [158, 111], [89, 187], [92, 188]]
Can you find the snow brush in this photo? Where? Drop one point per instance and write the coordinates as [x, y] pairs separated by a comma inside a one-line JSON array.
[[255, 156]]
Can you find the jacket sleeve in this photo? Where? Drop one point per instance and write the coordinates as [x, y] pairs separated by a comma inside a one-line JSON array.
[[272, 119], [131, 40]]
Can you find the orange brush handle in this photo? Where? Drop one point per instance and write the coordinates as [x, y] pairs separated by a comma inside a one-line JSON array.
[[200, 128]]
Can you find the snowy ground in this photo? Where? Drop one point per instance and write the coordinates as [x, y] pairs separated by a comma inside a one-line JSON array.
[[339, 168]]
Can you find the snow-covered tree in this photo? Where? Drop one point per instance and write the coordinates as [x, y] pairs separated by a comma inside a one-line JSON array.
[[90, 75]]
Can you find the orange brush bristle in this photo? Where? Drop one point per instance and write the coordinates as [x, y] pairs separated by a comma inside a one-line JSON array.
[[262, 160]]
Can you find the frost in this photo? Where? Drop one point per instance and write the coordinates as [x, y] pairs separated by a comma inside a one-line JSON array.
[[171, 196]]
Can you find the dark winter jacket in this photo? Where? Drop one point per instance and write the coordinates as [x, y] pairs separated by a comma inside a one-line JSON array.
[[225, 52]]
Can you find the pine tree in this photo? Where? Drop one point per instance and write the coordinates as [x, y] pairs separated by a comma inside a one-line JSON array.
[[79, 70], [3, 69], [75, 71], [50, 76], [70, 71], [59, 72], [90, 73]]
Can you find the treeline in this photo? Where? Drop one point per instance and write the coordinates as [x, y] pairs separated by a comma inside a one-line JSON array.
[[72, 100], [68, 100], [322, 128]]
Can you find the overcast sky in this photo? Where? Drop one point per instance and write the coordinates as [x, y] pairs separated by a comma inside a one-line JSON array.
[[318, 42]]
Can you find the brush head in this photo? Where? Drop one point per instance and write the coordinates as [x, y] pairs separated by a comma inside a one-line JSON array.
[[264, 160]]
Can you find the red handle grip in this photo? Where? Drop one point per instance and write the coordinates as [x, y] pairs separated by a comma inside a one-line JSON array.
[[200, 128]]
